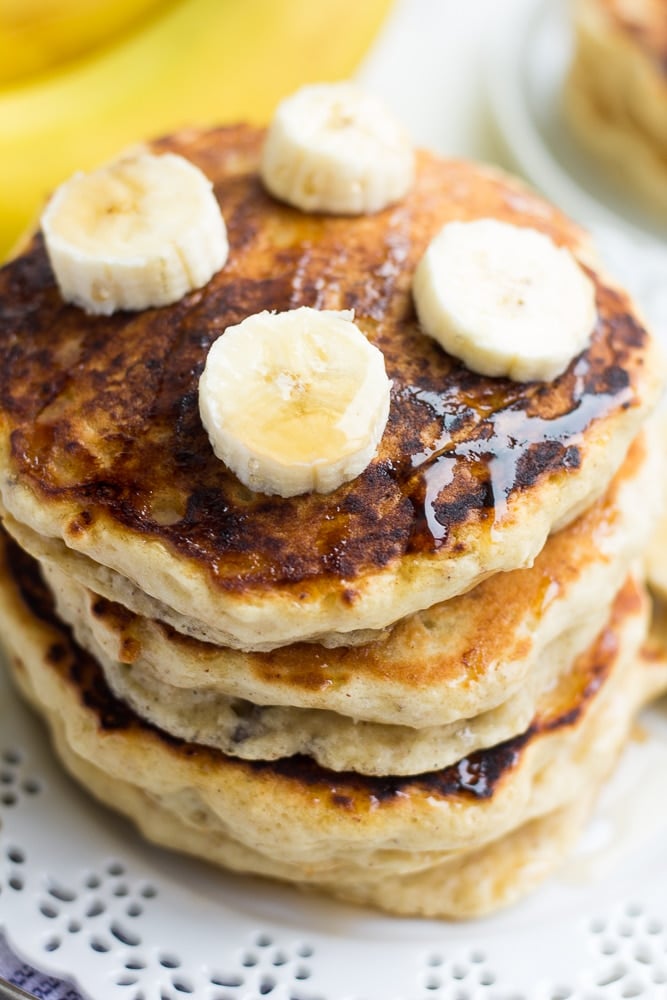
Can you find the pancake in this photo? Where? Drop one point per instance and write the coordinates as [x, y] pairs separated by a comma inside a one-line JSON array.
[[616, 96], [102, 448], [566, 596], [656, 561], [467, 884], [434, 668], [656, 550], [294, 811], [340, 742], [656, 644]]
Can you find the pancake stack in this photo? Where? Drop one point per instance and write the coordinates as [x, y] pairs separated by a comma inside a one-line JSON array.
[[616, 94], [405, 692]]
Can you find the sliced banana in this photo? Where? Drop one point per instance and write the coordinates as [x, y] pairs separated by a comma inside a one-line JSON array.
[[294, 402], [141, 231], [333, 148], [504, 299]]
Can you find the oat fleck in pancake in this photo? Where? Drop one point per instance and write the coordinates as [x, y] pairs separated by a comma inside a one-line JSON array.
[[101, 444]]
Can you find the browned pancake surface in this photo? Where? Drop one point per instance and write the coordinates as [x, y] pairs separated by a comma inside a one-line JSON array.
[[103, 412]]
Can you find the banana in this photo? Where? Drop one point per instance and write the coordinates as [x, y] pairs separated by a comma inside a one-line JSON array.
[[194, 62], [295, 401], [333, 148], [142, 231], [504, 299], [36, 35]]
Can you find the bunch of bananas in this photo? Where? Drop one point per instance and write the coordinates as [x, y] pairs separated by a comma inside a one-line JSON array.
[[81, 79]]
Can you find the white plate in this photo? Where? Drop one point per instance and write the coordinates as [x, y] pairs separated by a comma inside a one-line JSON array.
[[82, 896], [528, 57]]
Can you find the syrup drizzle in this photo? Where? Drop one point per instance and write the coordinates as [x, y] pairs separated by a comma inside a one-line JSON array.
[[509, 448]]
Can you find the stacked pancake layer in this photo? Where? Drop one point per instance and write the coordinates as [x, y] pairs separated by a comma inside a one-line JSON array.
[[405, 692], [616, 94]]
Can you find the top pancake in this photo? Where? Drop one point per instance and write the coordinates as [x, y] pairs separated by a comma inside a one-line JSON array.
[[101, 442]]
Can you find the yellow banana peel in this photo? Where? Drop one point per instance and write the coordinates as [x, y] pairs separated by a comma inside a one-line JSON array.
[[36, 35], [195, 62]]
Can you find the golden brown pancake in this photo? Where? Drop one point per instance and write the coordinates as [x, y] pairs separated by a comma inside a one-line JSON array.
[[101, 444], [459, 885], [434, 667], [340, 742], [643, 21], [616, 95], [294, 811], [656, 550], [435, 663]]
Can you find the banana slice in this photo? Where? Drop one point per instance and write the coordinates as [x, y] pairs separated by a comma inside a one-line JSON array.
[[141, 231], [503, 299], [333, 148], [296, 401]]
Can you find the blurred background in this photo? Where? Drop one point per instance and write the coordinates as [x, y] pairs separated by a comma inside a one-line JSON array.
[[81, 79]]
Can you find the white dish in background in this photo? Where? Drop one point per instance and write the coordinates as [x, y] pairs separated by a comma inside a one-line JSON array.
[[528, 57]]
